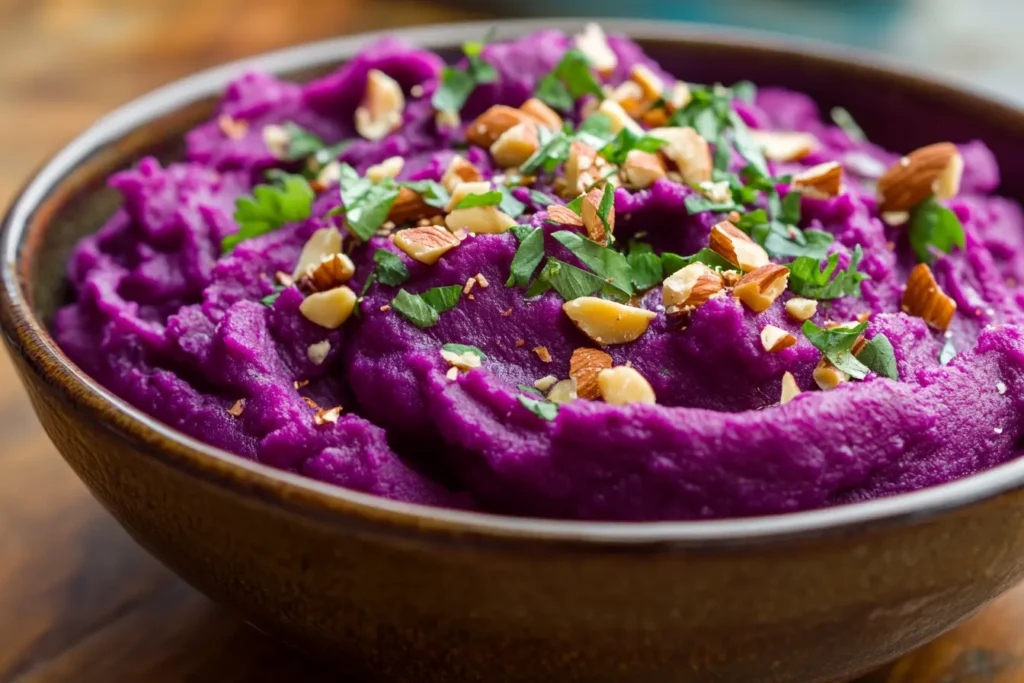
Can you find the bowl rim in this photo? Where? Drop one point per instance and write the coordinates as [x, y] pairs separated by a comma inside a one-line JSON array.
[[27, 336]]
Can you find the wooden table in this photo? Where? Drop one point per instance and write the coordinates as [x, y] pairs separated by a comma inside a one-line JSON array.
[[79, 601]]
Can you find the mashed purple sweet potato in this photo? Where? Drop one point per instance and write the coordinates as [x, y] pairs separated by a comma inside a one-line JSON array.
[[614, 296]]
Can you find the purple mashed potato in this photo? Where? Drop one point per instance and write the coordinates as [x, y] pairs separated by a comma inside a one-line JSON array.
[[179, 330]]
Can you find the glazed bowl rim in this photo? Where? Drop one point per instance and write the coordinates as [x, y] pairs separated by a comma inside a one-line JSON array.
[[28, 337]]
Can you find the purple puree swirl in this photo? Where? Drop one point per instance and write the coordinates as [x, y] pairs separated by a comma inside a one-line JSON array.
[[166, 320]]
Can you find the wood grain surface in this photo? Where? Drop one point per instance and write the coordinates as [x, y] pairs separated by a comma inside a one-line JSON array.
[[79, 601]]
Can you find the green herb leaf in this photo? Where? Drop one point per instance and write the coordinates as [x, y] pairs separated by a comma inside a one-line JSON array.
[[530, 390], [947, 353], [844, 120], [553, 150], [646, 270], [390, 269], [672, 262], [625, 142], [745, 145], [879, 356], [933, 225], [366, 203], [433, 192], [528, 256], [413, 308], [509, 204], [569, 281], [552, 92], [269, 299], [744, 90], [574, 75], [604, 210], [807, 280], [443, 299], [698, 203], [541, 199], [836, 345], [790, 213], [576, 205], [270, 207], [492, 198], [597, 130], [542, 409], [611, 266], [464, 348], [458, 84]]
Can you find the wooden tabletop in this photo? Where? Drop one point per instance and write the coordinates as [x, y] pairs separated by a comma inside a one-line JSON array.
[[79, 601]]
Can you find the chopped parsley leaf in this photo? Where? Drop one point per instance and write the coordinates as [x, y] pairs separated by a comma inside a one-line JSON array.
[[646, 269], [673, 262], [553, 150], [542, 409], [807, 279], [698, 203], [570, 80], [422, 310], [527, 257], [530, 390], [464, 348], [619, 147], [610, 265], [836, 344], [432, 192], [389, 268], [509, 205], [366, 203], [458, 84], [879, 356], [492, 198], [270, 207], [933, 225], [443, 299], [605, 208], [269, 299], [569, 281]]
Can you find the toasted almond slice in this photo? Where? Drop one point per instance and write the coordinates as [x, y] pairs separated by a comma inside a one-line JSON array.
[[821, 182], [932, 170], [717, 192], [784, 145], [321, 244], [691, 286], [563, 392], [542, 114], [828, 376], [923, 298], [515, 145], [389, 168], [760, 288], [545, 382], [563, 215], [630, 97], [463, 190], [478, 220], [233, 129], [790, 389], [327, 416], [317, 353], [776, 339], [492, 123], [655, 117], [618, 116], [409, 207], [584, 367], [608, 322], [688, 151], [801, 309], [650, 83], [332, 271], [641, 169], [582, 158], [735, 246], [624, 385], [593, 43], [329, 309], [592, 220], [383, 105], [460, 171], [277, 140], [237, 408], [330, 173], [542, 353], [426, 244], [465, 361], [679, 96]]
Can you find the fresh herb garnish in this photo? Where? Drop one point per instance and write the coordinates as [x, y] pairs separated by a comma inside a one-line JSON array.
[[619, 147], [807, 279], [570, 80], [553, 150], [836, 344], [542, 409], [530, 390], [269, 299], [745, 145], [270, 207], [509, 205], [933, 225], [540, 199], [698, 203], [491, 198], [744, 90], [432, 192], [610, 265], [389, 268], [464, 348], [646, 270], [844, 120], [947, 352], [878, 355], [422, 310], [365, 202], [527, 257], [569, 281], [458, 84], [673, 262], [443, 299]]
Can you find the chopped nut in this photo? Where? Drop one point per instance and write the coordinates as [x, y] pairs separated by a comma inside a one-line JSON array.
[[482, 281], [608, 322], [447, 119], [717, 192], [630, 96], [463, 190], [330, 173], [685, 148], [385, 308], [327, 416], [828, 376], [760, 288], [329, 309], [300, 383], [542, 114], [317, 353], [233, 129], [923, 298], [580, 166], [463, 361], [784, 145], [480, 220], [542, 353], [650, 84], [409, 206], [594, 45], [321, 244], [623, 385], [460, 171], [492, 123], [801, 309], [735, 246], [389, 168], [678, 96], [426, 244], [277, 141], [383, 105], [332, 271], [619, 118], [731, 277], [691, 286], [563, 215], [776, 339], [237, 408], [310, 402], [821, 182], [656, 117], [546, 382], [452, 374], [641, 169], [520, 342], [595, 227], [563, 391], [790, 389], [932, 170], [470, 284], [584, 367], [515, 145]]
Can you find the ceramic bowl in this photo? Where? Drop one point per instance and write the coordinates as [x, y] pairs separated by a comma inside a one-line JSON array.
[[397, 592]]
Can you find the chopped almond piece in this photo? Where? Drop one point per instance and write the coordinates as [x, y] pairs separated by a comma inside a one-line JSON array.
[[594, 45], [932, 170], [545, 383], [820, 182], [608, 322], [329, 309], [685, 148], [828, 376], [584, 367], [452, 374], [277, 141], [801, 309], [542, 353], [447, 119], [233, 129], [784, 145], [618, 116], [486, 220], [326, 416], [383, 105], [463, 361], [678, 96], [332, 271], [322, 243], [923, 298], [460, 171], [563, 215], [317, 353], [790, 389], [656, 117], [760, 288], [650, 83], [641, 169], [717, 192], [515, 145], [409, 206], [595, 227], [630, 96], [776, 339], [237, 408], [563, 392], [482, 281], [426, 244], [735, 246], [542, 114], [624, 385], [492, 123], [463, 190], [691, 286], [582, 159], [389, 168]]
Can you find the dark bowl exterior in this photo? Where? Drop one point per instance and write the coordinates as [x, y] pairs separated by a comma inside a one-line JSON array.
[[401, 593]]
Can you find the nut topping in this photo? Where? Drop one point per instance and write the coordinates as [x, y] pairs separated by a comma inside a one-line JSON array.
[[691, 286], [382, 107], [463, 361], [790, 389], [389, 168], [801, 309], [409, 207], [820, 182], [623, 385], [563, 391], [489, 126], [932, 170], [332, 271], [923, 298], [478, 220], [685, 148], [784, 145], [233, 129], [321, 244], [641, 170], [460, 171], [594, 45], [735, 246], [426, 244], [515, 145], [582, 168], [776, 339], [542, 353], [277, 141], [619, 118], [463, 190], [650, 84], [584, 367], [563, 215], [237, 408], [760, 288], [630, 97], [592, 221], [542, 114], [327, 416], [329, 309], [608, 322], [545, 382], [828, 376]]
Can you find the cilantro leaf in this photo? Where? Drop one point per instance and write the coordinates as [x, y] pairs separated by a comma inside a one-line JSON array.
[[304, 143], [540, 199], [366, 203], [492, 198], [807, 280], [389, 268], [443, 299], [836, 344], [611, 266], [574, 76], [947, 353], [464, 348], [542, 409], [604, 209], [616, 150], [844, 120], [432, 192], [269, 208], [528, 256], [879, 356], [569, 281], [645, 269], [509, 204], [933, 225], [413, 308]]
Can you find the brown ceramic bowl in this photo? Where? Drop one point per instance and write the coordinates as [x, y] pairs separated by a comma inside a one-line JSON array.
[[398, 592]]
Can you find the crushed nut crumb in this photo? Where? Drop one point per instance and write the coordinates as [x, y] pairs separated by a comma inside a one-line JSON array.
[[452, 374], [507, 312], [317, 353], [542, 353], [482, 281], [283, 279], [998, 430], [468, 287], [328, 416], [385, 308], [299, 383], [1001, 388], [237, 409], [546, 382], [310, 402], [520, 342]]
